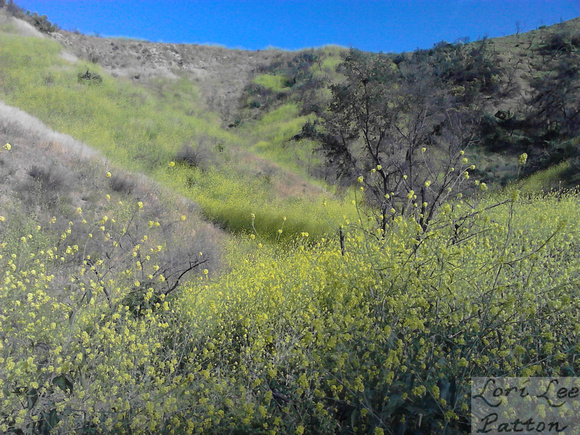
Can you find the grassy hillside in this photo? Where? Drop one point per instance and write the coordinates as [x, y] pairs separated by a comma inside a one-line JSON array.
[[59, 187], [163, 130], [123, 311], [249, 87], [524, 86]]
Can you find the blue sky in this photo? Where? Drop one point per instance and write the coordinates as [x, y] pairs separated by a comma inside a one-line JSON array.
[[373, 25]]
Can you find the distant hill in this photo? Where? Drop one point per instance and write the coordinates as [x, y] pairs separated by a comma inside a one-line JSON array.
[[529, 108], [221, 73]]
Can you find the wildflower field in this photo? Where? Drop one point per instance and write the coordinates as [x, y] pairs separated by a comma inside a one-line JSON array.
[[317, 317], [382, 336]]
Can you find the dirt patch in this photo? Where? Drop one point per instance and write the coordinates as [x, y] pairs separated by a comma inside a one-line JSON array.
[[34, 125], [69, 57]]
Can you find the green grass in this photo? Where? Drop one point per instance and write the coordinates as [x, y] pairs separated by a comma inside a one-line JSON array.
[[546, 180], [273, 133], [331, 59], [272, 82], [271, 138], [143, 131]]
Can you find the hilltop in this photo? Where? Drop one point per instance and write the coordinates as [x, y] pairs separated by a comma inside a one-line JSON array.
[[220, 73]]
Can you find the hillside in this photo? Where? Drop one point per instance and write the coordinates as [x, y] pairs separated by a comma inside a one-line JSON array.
[[244, 86], [220, 73], [247, 86], [202, 240], [54, 181], [171, 122]]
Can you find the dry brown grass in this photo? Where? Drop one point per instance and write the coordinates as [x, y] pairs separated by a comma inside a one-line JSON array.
[[49, 175]]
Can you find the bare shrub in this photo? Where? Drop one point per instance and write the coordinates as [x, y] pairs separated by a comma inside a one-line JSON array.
[[121, 184], [202, 156], [188, 156], [47, 178], [43, 187]]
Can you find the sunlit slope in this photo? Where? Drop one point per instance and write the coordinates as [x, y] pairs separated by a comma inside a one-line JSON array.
[[280, 99], [267, 96], [146, 130], [526, 86]]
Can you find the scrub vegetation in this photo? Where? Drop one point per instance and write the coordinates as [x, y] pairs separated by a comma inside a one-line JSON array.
[[340, 251]]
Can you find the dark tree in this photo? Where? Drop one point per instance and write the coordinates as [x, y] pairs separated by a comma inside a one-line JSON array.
[[555, 102], [399, 132]]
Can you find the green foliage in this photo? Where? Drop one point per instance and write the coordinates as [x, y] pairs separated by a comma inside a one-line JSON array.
[[271, 82], [39, 21], [545, 126], [63, 276], [546, 180], [553, 102], [558, 43], [475, 67], [145, 131], [332, 59], [385, 336], [232, 205], [296, 80]]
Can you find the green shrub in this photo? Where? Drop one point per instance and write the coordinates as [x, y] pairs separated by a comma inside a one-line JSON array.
[[41, 22], [271, 82], [90, 78]]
